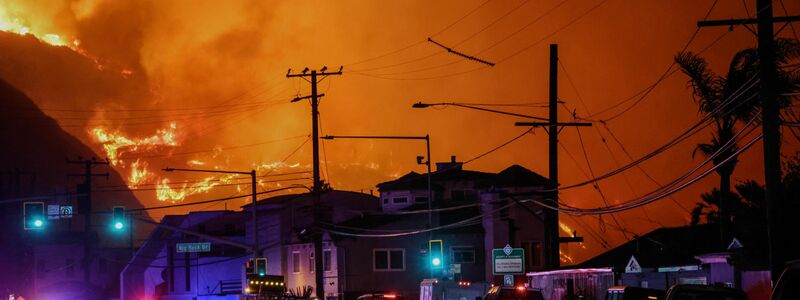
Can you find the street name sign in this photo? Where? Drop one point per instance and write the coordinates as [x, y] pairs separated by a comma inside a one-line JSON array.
[[193, 247], [508, 261]]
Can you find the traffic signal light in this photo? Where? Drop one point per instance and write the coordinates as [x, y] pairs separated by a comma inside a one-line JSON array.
[[249, 267], [118, 218], [261, 266], [435, 253], [33, 215]]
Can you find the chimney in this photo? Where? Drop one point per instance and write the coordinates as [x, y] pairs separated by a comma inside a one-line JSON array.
[[451, 165]]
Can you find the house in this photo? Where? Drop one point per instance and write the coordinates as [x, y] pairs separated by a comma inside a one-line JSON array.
[[159, 269], [667, 256], [387, 251]]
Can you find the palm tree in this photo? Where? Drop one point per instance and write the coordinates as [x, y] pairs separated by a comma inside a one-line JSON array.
[[712, 93]]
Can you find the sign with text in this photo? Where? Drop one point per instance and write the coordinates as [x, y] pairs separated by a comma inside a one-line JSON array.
[[193, 247], [508, 261]]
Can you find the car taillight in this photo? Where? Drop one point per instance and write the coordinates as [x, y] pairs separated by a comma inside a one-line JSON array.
[[390, 296], [520, 289]]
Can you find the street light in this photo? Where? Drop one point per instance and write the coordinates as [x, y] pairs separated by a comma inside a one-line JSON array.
[[427, 139], [252, 173]]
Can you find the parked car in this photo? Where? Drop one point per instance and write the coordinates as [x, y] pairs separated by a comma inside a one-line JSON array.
[[512, 293], [788, 285], [634, 293], [704, 292]]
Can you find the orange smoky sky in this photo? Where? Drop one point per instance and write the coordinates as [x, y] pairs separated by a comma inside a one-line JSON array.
[[216, 70]]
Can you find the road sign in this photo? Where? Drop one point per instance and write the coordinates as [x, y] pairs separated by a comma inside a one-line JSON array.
[[508, 280], [193, 247], [508, 261], [65, 211], [455, 268], [53, 212]]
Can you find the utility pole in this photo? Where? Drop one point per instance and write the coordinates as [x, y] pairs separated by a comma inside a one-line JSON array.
[[317, 234], [770, 116], [551, 245], [85, 208]]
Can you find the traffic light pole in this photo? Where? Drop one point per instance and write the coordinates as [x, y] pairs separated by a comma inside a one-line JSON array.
[[86, 210]]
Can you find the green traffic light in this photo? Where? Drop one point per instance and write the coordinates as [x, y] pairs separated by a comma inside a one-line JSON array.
[[436, 261], [38, 223], [118, 225]]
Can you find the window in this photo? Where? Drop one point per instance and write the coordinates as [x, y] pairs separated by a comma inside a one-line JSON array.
[[70, 265], [296, 262], [399, 200], [326, 260], [311, 262], [533, 254], [421, 199], [389, 259], [385, 200], [463, 255]]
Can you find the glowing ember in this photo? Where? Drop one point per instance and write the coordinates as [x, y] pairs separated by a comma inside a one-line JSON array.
[[565, 258], [116, 144], [195, 162]]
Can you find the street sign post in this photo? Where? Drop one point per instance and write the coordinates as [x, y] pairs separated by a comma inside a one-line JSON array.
[[508, 261], [193, 247]]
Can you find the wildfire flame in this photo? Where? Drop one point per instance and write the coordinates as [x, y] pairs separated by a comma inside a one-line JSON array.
[[165, 192], [565, 258], [117, 144], [17, 26], [139, 174], [565, 227]]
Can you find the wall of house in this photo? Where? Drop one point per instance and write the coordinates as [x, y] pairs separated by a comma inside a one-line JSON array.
[[361, 276], [302, 257], [513, 226], [397, 200]]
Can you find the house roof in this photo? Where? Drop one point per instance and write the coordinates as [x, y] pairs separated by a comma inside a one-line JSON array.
[[332, 196], [514, 175], [666, 246]]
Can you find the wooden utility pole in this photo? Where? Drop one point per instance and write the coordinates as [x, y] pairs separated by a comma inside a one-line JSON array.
[[85, 208], [552, 126], [317, 236], [770, 116]]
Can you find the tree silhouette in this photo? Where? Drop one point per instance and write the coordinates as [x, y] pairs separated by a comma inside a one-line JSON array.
[[729, 101]]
